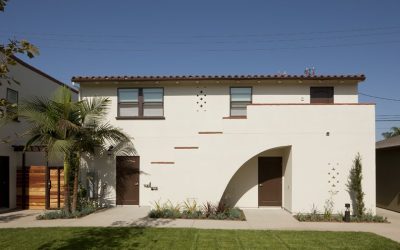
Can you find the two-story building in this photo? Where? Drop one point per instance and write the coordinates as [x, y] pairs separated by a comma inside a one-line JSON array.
[[30, 82], [251, 141]]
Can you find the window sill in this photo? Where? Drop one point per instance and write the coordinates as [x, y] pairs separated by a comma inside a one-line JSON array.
[[140, 118], [235, 117]]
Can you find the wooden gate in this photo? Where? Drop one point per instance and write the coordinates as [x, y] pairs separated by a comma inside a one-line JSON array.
[[56, 187], [35, 187], [39, 193]]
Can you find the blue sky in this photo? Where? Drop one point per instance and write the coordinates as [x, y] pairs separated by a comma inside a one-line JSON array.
[[215, 37]]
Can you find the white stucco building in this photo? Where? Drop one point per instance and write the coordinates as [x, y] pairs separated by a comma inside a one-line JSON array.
[[253, 141], [32, 82]]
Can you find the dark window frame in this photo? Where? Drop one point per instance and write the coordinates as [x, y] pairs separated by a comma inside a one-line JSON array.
[[140, 102], [230, 99], [13, 110], [322, 100], [12, 90]]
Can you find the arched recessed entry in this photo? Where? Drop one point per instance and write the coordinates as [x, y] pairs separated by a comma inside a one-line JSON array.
[[263, 180]]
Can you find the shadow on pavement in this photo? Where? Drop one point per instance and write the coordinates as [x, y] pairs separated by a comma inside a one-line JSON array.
[[98, 238], [142, 222], [8, 217]]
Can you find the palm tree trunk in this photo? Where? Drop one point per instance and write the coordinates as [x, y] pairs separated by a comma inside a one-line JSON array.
[[66, 183], [76, 182]]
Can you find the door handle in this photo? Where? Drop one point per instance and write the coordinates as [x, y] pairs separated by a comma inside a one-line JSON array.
[[137, 184], [261, 185], [49, 184]]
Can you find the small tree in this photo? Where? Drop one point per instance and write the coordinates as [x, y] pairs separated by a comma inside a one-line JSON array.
[[394, 131], [354, 186], [7, 53]]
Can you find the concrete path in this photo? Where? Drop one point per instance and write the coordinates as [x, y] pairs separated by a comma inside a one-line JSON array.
[[267, 219]]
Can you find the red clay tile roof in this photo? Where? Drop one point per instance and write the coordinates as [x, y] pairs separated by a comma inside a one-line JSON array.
[[360, 77]]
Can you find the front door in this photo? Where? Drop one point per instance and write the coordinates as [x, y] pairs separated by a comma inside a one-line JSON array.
[[270, 181], [4, 181], [127, 180]]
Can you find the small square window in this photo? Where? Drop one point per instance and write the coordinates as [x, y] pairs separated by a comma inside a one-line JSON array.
[[12, 96], [240, 98], [12, 99]]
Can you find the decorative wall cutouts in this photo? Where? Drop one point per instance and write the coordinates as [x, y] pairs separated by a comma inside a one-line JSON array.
[[201, 99], [333, 176]]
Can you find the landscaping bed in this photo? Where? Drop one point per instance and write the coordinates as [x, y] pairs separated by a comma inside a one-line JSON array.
[[181, 238], [62, 214], [190, 210], [85, 208], [314, 217]]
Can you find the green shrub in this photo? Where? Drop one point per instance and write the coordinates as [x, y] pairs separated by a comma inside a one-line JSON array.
[[190, 207], [62, 214], [190, 210], [235, 213], [368, 217], [354, 186], [208, 209]]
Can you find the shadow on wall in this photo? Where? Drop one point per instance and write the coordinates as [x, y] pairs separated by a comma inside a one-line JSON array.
[[98, 175], [245, 181]]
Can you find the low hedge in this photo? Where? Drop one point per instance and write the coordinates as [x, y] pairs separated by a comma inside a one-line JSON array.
[[312, 217]]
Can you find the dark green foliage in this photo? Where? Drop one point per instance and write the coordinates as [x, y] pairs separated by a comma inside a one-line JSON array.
[[74, 128], [7, 52], [63, 214], [3, 4], [354, 186], [190, 210], [312, 217], [395, 131], [184, 238]]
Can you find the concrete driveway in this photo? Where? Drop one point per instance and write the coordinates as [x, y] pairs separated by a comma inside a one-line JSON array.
[[260, 219]]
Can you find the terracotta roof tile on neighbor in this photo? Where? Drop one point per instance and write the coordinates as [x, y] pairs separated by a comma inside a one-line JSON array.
[[358, 77]]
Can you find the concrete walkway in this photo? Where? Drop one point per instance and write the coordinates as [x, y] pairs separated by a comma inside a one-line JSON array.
[[267, 219]]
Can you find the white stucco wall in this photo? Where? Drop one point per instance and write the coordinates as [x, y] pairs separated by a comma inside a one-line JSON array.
[[203, 174], [242, 190], [31, 84]]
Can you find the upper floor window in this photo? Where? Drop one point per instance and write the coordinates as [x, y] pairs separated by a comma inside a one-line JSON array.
[[141, 102], [321, 95], [240, 98], [12, 96]]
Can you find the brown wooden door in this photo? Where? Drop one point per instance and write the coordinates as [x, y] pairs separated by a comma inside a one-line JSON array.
[[270, 181], [4, 181], [127, 180], [56, 187]]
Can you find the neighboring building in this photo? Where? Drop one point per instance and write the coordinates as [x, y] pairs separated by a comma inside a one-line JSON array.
[[250, 141], [32, 82], [388, 173]]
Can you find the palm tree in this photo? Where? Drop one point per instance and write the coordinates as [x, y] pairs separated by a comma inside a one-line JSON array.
[[71, 128], [94, 135], [395, 131], [53, 124]]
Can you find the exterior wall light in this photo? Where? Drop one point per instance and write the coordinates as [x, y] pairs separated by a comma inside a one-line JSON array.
[[347, 212], [110, 150]]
